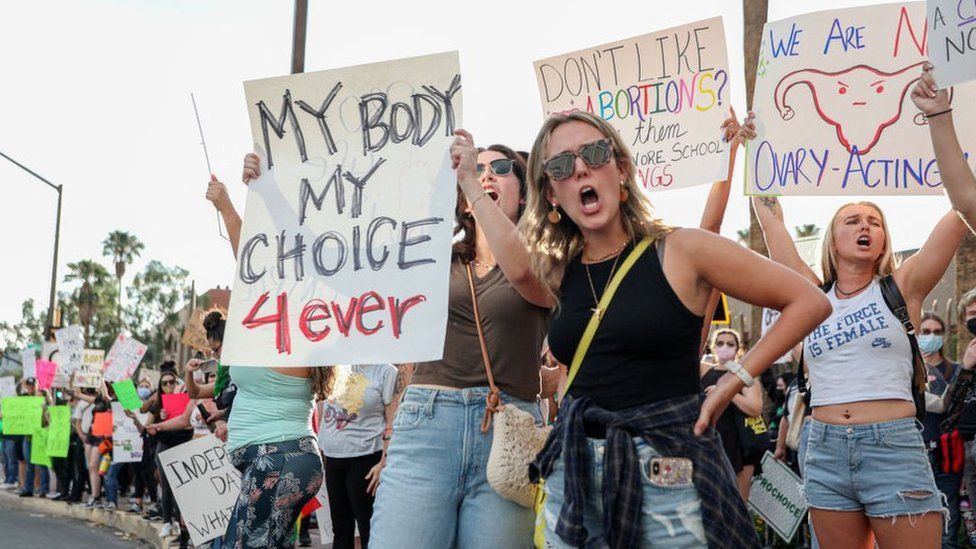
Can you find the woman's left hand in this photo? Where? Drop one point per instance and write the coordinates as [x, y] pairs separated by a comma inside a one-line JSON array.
[[716, 401], [373, 476], [730, 128], [464, 156]]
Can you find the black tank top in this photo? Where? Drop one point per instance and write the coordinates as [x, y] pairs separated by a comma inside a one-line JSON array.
[[646, 348]]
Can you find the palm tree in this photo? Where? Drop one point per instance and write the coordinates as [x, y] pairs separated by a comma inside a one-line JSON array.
[[123, 248], [91, 275], [803, 231], [743, 235]]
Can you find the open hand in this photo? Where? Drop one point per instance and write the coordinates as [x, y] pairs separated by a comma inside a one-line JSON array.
[[716, 401], [373, 476]]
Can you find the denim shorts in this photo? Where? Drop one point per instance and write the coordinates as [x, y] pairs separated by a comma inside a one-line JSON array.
[[670, 515], [881, 469]]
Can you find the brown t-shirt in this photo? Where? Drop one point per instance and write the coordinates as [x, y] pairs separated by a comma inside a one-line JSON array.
[[514, 332]]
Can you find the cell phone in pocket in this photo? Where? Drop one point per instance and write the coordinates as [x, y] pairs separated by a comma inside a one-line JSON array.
[[670, 471]]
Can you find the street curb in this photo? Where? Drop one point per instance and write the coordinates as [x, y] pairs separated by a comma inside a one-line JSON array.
[[129, 523]]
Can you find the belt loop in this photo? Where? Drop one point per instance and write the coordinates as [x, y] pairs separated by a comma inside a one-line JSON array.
[[429, 405]]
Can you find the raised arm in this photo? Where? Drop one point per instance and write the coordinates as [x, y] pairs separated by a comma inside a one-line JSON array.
[[919, 274], [503, 236], [718, 196], [217, 193], [781, 247], [194, 389], [957, 178]]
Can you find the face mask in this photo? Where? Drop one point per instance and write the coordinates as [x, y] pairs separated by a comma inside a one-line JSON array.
[[971, 325], [725, 353], [144, 392], [929, 343]]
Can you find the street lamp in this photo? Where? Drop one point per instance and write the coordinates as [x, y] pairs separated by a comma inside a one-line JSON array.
[[57, 239]]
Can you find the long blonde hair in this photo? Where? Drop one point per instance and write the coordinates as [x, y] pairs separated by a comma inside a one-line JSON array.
[[554, 245], [883, 266]]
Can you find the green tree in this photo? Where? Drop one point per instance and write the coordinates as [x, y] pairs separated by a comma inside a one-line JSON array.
[[93, 303], [156, 297], [803, 231], [123, 248], [29, 329], [743, 234]]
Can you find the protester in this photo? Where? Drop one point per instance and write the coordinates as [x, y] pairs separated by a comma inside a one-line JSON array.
[[957, 178], [871, 413], [29, 388], [967, 316], [726, 346], [164, 441], [640, 376]]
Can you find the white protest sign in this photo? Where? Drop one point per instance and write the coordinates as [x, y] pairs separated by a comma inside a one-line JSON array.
[[8, 386], [205, 485], [666, 92], [28, 361], [834, 114], [90, 372], [346, 240], [952, 40], [123, 358], [126, 439], [776, 496], [71, 345]]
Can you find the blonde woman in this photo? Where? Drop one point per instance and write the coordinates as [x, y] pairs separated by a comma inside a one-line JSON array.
[[633, 459], [865, 465]]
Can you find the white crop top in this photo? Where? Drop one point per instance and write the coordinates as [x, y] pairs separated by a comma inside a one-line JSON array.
[[861, 352]]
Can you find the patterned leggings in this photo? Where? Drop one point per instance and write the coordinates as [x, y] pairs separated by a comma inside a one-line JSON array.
[[278, 480]]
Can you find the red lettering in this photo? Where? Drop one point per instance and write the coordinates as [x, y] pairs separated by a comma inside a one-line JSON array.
[[363, 309], [922, 45], [279, 319], [314, 310], [344, 319], [398, 309]]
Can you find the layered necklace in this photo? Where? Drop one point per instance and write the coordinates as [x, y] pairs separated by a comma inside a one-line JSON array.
[[587, 261]]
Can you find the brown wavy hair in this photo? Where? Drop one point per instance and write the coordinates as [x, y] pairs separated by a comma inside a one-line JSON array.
[[463, 249], [323, 382]]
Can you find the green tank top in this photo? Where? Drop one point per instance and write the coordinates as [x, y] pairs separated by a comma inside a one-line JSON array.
[[269, 407]]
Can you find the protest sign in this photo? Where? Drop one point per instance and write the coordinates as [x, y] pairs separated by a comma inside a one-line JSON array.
[[952, 40], [46, 371], [667, 93], [150, 375], [123, 358], [89, 374], [22, 414], [833, 109], [346, 240], [102, 424], [8, 386], [39, 448], [28, 361], [125, 391], [175, 404], [776, 496], [194, 335], [59, 431], [126, 439], [71, 346], [205, 485]]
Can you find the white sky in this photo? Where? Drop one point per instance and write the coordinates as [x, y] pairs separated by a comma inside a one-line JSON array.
[[96, 97]]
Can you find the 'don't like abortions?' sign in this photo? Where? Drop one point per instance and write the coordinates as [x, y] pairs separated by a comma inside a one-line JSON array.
[[667, 93], [834, 113], [346, 239]]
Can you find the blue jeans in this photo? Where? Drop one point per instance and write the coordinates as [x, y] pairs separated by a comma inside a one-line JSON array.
[[29, 479], [112, 482], [434, 492], [670, 515], [10, 473]]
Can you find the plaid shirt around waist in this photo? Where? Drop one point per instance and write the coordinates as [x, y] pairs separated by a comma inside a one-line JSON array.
[[667, 426]]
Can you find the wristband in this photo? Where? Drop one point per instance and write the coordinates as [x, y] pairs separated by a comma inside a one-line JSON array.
[[947, 111], [475, 201], [743, 374]]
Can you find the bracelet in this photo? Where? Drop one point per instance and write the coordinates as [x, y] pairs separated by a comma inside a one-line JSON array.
[[482, 195], [938, 113]]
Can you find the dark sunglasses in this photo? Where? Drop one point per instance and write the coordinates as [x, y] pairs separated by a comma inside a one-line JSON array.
[[563, 165], [500, 167], [168, 382]]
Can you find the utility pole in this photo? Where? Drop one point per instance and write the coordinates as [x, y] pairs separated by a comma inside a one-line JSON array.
[[298, 37], [57, 240]]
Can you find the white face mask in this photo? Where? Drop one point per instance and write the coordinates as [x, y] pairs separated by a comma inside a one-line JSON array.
[[725, 353]]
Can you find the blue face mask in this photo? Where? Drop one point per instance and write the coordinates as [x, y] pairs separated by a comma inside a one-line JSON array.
[[144, 392], [930, 343]]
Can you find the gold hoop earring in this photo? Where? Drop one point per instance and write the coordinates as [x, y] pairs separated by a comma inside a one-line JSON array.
[[554, 216], [624, 193]]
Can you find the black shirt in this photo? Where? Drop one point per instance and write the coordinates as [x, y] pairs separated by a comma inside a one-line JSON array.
[[646, 348]]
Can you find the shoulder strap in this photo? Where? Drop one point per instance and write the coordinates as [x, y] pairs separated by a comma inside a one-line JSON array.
[[493, 400], [584, 343]]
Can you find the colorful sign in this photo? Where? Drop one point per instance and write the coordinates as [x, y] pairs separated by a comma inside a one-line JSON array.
[[125, 391], [952, 40], [175, 404], [346, 240], [59, 431], [39, 447], [89, 374], [123, 358], [22, 414], [102, 424], [834, 114], [667, 93], [126, 438], [46, 370], [776, 496]]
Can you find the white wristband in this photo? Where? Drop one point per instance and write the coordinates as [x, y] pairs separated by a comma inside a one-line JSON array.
[[743, 374]]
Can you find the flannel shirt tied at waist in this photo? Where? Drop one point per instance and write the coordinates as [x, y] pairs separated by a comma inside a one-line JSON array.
[[667, 426]]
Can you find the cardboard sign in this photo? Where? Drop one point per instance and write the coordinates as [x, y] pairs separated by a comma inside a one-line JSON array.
[[39, 448], [102, 424], [71, 346], [666, 92], [205, 485], [126, 438], [22, 414], [834, 114], [59, 431], [194, 335], [46, 370], [89, 374], [346, 240], [952, 40], [123, 358], [28, 360], [776, 496], [151, 375], [8, 386], [175, 404], [125, 391]]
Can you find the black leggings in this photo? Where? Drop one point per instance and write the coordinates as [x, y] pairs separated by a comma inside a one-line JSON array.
[[167, 503], [349, 503], [79, 468], [144, 477]]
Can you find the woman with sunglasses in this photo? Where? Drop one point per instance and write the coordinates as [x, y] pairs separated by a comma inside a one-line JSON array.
[[164, 441], [623, 466], [434, 491]]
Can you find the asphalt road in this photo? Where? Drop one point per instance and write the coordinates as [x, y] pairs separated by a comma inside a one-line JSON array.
[[21, 529]]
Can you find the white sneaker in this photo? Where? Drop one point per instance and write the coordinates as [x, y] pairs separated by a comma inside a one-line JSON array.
[[110, 506], [166, 530], [176, 529]]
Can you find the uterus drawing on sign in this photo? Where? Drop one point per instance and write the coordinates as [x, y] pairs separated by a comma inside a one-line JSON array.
[[859, 102]]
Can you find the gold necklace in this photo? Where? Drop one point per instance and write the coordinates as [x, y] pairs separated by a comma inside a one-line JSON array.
[[482, 264], [596, 302], [588, 259]]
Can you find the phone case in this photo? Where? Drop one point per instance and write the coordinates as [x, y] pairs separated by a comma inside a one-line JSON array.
[[670, 471]]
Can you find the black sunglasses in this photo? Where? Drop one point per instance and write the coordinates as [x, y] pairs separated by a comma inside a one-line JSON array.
[[168, 382], [500, 167], [561, 166]]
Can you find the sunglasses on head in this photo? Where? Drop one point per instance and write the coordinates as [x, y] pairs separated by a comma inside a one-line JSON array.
[[563, 165], [500, 167]]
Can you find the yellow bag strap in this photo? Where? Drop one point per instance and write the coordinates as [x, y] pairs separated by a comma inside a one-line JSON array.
[[594, 323]]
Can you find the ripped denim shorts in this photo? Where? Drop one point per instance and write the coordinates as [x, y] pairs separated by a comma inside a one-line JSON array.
[[881, 469]]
